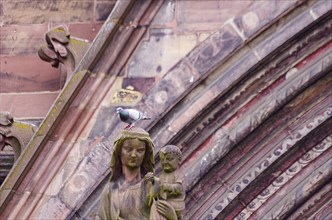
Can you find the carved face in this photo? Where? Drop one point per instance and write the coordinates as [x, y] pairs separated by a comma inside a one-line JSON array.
[[132, 153], [169, 162]]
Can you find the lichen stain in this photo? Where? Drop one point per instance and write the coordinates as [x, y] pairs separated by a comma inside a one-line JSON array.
[[126, 97]]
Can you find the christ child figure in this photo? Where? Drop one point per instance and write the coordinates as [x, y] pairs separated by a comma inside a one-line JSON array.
[[171, 181]]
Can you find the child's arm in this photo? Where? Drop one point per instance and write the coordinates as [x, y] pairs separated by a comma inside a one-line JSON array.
[[173, 188], [176, 188]]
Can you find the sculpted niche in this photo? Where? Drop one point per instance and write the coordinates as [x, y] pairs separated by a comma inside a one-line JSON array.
[[133, 191]]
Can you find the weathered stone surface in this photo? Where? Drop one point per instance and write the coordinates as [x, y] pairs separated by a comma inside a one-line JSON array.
[[234, 74], [29, 12], [220, 86], [154, 57], [139, 84], [315, 205], [106, 123], [321, 7], [292, 172], [21, 40], [263, 158], [1, 10], [290, 196], [214, 49], [284, 32], [103, 9], [170, 88], [165, 14], [84, 176], [227, 78], [27, 105], [215, 184], [27, 74], [126, 97], [195, 16], [260, 13], [85, 30], [61, 211], [229, 139]]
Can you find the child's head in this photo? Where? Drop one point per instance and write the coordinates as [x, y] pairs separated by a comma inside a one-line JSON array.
[[170, 158]]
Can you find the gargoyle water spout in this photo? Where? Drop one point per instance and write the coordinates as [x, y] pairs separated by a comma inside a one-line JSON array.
[[61, 48], [14, 133]]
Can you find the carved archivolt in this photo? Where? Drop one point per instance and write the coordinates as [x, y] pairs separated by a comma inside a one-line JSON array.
[[264, 163], [285, 177]]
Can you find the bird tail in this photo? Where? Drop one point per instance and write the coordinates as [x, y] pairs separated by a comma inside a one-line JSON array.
[[145, 117]]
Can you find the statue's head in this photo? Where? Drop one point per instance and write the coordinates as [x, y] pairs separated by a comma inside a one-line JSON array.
[[170, 158], [135, 136], [6, 119]]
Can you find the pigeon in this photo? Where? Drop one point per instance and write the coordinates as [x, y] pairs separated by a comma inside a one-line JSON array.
[[130, 116]]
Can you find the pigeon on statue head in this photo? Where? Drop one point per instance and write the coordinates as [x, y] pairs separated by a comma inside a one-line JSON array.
[[130, 116]]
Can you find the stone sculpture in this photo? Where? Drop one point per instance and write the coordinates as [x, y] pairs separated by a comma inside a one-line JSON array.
[[170, 183], [62, 48], [128, 194], [15, 134]]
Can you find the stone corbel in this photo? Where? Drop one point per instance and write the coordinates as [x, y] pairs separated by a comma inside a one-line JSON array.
[[15, 134], [61, 48]]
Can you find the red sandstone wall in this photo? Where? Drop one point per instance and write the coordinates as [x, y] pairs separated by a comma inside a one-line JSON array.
[[28, 85]]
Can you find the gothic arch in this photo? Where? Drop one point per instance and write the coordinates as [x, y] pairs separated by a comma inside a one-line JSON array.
[[250, 109]]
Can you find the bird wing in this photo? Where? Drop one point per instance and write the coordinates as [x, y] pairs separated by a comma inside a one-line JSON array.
[[134, 114]]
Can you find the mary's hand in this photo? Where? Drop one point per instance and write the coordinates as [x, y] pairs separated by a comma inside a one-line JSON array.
[[166, 210], [149, 177]]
